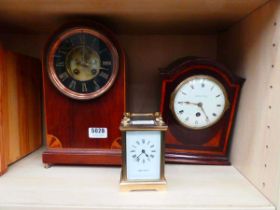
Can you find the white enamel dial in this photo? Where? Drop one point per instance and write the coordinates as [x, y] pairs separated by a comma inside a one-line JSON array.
[[143, 153], [199, 102]]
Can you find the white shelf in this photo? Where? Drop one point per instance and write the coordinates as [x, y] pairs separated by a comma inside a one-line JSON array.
[[27, 185]]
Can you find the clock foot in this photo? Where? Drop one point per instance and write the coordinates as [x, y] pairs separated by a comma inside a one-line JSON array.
[[46, 165]]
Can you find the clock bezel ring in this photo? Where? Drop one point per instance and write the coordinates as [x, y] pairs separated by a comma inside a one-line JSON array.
[[199, 76], [52, 72]]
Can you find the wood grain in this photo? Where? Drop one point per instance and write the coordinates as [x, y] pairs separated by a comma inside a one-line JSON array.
[[28, 186], [21, 126], [68, 120], [251, 49], [204, 146], [126, 16]]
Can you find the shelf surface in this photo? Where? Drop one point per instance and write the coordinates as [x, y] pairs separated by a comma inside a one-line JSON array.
[[28, 185], [126, 16]]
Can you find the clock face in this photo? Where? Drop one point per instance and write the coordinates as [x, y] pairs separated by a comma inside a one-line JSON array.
[[199, 102], [143, 155], [83, 63]]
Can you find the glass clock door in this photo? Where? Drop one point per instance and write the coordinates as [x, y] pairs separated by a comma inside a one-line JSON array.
[[143, 155]]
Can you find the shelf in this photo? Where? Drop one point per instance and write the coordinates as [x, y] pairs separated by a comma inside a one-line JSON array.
[[126, 16], [28, 185]]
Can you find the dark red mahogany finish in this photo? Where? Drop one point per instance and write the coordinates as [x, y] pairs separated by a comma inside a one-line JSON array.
[[68, 120], [204, 146]]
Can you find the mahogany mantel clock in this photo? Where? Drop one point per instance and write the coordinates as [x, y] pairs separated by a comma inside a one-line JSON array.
[[84, 92], [199, 102]]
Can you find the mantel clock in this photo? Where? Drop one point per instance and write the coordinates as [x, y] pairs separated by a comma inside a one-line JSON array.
[[84, 92], [199, 103]]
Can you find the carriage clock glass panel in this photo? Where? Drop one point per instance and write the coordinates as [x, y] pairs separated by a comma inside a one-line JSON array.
[[143, 155], [83, 64], [199, 102]]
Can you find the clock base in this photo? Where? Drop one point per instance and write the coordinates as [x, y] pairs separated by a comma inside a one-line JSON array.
[[81, 156], [126, 186], [196, 159]]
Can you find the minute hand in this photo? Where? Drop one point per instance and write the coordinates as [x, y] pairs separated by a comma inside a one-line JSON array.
[[200, 105]]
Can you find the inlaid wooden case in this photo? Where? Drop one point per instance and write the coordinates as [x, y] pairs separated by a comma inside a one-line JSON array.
[[200, 144], [20, 107], [71, 115]]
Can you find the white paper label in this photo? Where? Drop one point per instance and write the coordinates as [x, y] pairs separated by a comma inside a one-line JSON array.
[[143, 122], [98, 133]]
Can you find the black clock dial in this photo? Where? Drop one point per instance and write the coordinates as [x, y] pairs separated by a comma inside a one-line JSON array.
[[83, 63]]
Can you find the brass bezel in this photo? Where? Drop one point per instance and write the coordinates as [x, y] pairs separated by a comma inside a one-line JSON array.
[[127, 185], [52, 73], [201, 76]]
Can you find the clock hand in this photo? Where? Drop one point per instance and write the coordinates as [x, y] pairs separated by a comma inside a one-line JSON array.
[[145, 153], [139, 155], [200, 105], [98, 68], [191, 103], [83, 48]]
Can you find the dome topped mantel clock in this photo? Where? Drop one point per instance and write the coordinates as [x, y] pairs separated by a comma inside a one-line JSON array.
[[84, 92], [199, 103]]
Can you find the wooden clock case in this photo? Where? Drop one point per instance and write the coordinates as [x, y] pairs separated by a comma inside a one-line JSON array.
[[68, 120], [20, 106], [202, 146]]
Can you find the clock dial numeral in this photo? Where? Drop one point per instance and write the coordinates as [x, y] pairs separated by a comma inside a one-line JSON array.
[[104, 75], [60, 64], [84, 87], [72, 85], [96, 85], [106, 63], [64, 76], [62, 51], [103, 50]]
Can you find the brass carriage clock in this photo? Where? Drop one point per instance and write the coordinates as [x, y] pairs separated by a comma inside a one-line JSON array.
[[143, 152]]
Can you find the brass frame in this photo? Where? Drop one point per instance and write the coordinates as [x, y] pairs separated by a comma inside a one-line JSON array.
[[51, 69], [201, 76], [126, 185]]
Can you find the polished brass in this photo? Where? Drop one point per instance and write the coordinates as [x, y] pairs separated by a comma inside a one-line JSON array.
[[83, 63], [126, 125], [126, 186]]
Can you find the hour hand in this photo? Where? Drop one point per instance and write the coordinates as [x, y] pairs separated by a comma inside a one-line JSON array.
[[188, 102], [99, 67]]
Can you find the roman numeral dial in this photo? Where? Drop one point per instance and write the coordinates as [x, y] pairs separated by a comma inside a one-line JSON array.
[[84, 64], [199, 102], [143, 151]]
